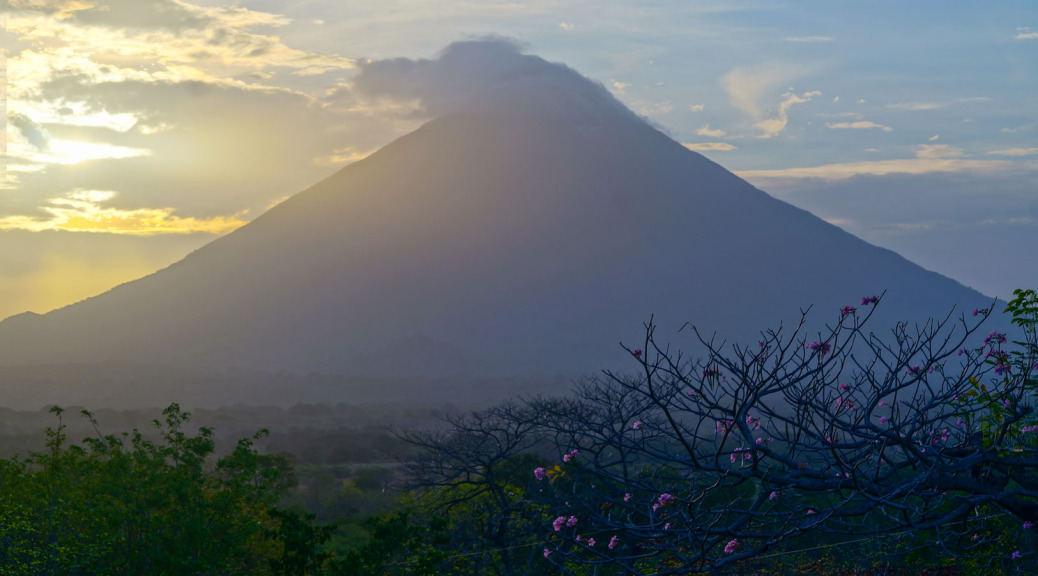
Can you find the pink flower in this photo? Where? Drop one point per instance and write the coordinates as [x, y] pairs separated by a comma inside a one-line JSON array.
[[538, 473], [759, 441], [865, 301], [547, 552], [995, 337], [571, 456], [559, 523], [627, 497], [811, 511], [591, 542], [571, 522], [636, 425], [844, 387], [976, 311], [731, 546], [579, 538], [773, 496], [882, 403], [636, 353], [882, 419], [1016, 554], [960, 422], [665, 500], [821, 347], [1028, 525], [846, 310], [666, 526], [614, 541]]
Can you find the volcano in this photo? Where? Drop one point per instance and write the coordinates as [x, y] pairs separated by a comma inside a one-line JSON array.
[[512, 237]]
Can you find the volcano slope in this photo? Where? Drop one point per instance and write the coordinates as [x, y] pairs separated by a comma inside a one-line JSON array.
[[522, 236]]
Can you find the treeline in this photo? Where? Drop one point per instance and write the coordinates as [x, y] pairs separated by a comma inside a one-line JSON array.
[[311, 433]]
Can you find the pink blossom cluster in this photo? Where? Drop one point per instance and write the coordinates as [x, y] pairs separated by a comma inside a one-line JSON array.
[[995, 337], [732, 545], [745, 453], [664, 500], [571, 456], [821, 347], [561, 521]]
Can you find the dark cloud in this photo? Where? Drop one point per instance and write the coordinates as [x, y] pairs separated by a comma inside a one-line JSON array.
[[490, 73], [31, 131]]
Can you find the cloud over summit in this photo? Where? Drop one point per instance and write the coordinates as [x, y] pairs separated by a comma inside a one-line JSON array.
[[489, 74]]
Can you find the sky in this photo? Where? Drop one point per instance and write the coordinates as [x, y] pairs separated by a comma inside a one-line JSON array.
[[139, 130]]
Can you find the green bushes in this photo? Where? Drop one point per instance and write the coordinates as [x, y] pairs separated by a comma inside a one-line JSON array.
[[127, 505]]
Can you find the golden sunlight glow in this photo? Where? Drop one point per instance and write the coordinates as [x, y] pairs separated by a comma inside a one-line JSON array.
[[81, 212]]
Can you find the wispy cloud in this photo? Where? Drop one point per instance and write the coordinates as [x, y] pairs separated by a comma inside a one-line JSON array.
[[1014, 152], [862, 125], [938, 151], [1026, 34], [914, 106], [841, 171], [83, 211], [566, 26], [710, 132], [708, 146], [809, 39], [748, 87], [695, 107]]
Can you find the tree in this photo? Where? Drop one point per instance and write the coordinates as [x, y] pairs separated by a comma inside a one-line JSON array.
[[927, 434], [702, 464], [124, 504]]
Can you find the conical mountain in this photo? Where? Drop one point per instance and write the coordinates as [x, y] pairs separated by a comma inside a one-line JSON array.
[[508, 240]]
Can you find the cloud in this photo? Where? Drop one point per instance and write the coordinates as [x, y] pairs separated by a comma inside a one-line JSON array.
[[565, 26], [695, 107], [748, 87], [915, 106], [842, 171], [1014, 152], [33, 133], [937, 151], [490, 73], [770, 127], [710, 133], [1026, 34], [863, 125], [82, 211], [934, 138], [809, 39], [708, 146]]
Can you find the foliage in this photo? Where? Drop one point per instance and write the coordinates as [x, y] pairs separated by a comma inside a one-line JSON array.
[[127, 505]]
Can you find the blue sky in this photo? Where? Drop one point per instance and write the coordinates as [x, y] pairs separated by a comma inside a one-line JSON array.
[[138, 130]]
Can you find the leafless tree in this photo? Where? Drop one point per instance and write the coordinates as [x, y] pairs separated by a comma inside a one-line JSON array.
[[696, 464]]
